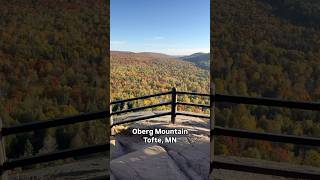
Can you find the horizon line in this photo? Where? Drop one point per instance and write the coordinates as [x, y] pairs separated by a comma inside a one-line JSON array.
[[159, 52]]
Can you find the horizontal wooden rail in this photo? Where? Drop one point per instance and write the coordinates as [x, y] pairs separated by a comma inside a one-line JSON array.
[[53, 123], [100, 177], [309, 141], [193, 104], [262, 170], [193, 93], [140, 118], [140, 108], [140, 98], [193, 115], [267, 102], [11, 164]]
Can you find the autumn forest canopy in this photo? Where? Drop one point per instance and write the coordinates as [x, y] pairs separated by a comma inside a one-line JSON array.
[[139, 74], [52, 64], [267, 48]]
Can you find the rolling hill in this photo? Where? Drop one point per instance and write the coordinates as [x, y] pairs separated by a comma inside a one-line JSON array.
[[138, 74], [202, 60]]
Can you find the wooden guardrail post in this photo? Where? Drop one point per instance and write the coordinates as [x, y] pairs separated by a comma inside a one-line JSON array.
[[173, 105], [212, 95], [111, 122], [3, 157], [212, 121]]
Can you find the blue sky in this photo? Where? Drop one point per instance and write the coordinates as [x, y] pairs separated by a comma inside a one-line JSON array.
[[175, 27]]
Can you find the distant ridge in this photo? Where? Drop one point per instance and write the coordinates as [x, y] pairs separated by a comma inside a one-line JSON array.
[[160, 55], [150, 54], [200, 59]]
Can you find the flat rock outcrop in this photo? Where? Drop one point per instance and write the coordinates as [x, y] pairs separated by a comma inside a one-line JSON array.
[[188, 158], [146, 164]]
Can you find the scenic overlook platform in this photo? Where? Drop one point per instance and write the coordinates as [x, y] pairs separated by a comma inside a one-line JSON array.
[[188, 158], [122, 148], [241, 166]]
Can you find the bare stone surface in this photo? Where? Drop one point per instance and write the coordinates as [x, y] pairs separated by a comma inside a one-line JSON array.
[[116, 149], [190, 154], [150, 163], [183, 165], [112, 177]]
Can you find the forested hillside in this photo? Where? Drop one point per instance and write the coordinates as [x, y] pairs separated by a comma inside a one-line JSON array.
[[52, 65], [139, 74], [267, 48], [200, 59]]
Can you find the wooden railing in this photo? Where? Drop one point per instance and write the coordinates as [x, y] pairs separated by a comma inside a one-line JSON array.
[[11, 164], [6, 165], [220, 131], [308, 141], [173, 103]]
